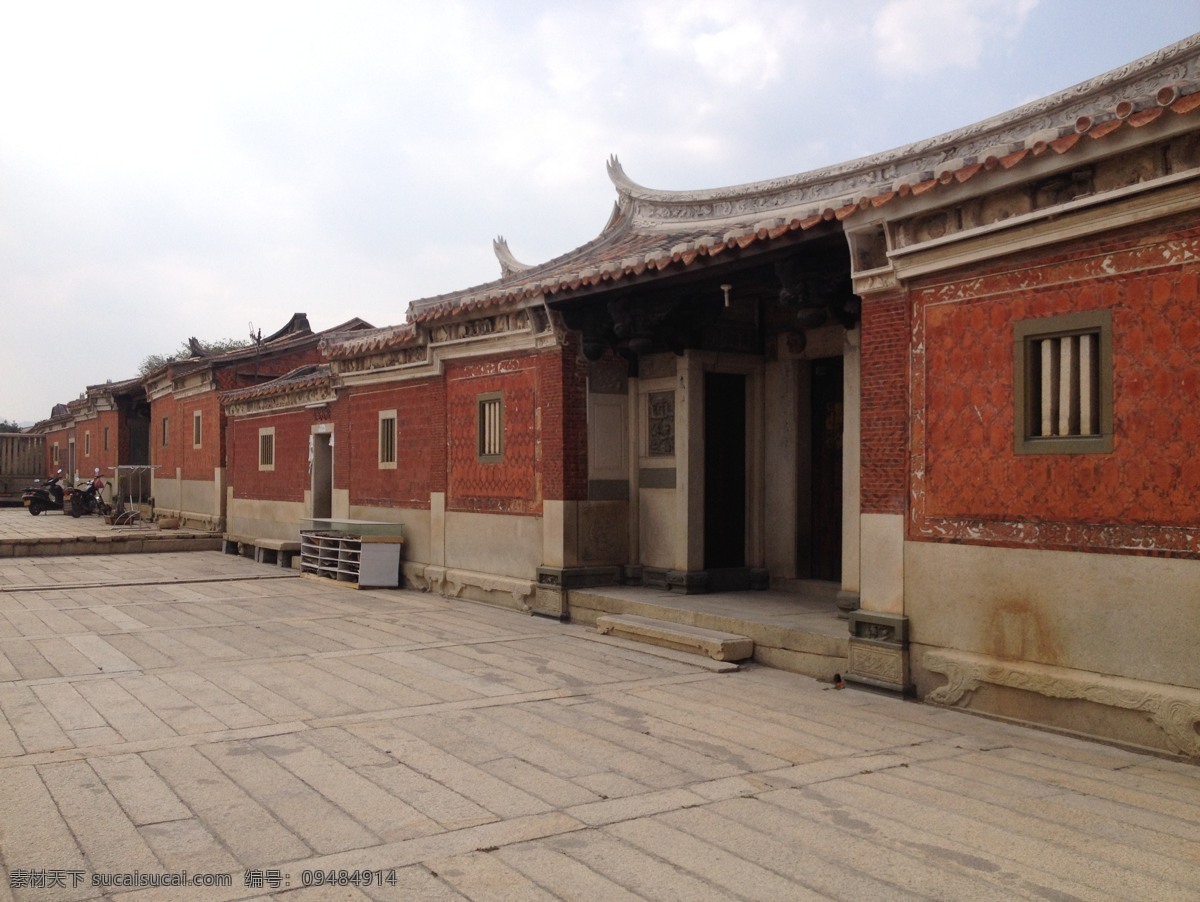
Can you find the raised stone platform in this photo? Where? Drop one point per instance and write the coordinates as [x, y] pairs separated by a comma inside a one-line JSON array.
[[114, 543], [796, 631], [719, 646]]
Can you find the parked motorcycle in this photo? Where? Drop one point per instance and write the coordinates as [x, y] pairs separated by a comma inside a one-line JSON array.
[[44, 495], [86, 498]]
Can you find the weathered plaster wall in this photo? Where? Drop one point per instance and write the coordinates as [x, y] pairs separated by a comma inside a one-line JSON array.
[[264, 519], [500, 544], [1126, 616], [1102, 644]]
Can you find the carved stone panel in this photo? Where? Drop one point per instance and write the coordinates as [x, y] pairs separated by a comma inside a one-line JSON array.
[[1129, 169], [884, 667], [660, 431], [607, 379], [656, 366]]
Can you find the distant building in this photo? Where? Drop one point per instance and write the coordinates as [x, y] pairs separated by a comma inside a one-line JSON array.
[[187, 426]]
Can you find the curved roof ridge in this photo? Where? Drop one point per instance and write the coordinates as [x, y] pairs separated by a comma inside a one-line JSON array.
[[509, 264], [530, 274], [877, 173]]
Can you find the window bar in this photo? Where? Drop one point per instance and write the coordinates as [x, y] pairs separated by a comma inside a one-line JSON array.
[[1050, 379], [1068, 388], [1089, 401]]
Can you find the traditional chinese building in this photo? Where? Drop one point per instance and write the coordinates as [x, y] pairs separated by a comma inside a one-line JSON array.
[[953, 385], [187, 425], [105, 427]]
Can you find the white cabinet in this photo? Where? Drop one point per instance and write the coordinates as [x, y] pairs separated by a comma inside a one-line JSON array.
[[357, 553]]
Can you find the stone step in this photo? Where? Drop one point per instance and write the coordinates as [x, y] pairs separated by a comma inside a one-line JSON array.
[[712, 643]]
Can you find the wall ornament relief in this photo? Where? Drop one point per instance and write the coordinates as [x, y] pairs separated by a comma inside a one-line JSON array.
[[1173, 709]]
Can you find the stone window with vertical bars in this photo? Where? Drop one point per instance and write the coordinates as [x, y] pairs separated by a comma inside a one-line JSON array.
[[387, 439], [266, 448], [1063, 369], [491, 426]]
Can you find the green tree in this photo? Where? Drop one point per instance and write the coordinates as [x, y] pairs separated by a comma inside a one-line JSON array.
[[9, 426], [187, 349]]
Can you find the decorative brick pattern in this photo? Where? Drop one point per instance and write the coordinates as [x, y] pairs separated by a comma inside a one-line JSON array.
[[884, 406], [420, 411], [512, 484], [968, 485], [562, 395]]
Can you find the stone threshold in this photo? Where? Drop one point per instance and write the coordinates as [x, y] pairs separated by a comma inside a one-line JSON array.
[[715, 644]]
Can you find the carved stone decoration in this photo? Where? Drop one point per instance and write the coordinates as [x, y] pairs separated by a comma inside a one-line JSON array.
[[284, 401], [1063, 188], [878, 651], [880, 665], [1173, 709], [1004, 205], [462, 330], [816, 296], [509, 265], [1129, 169], [386, 360], [660, 410], [659, 366], [935, 225], [869, 249], [607, 379], [1184, 154]]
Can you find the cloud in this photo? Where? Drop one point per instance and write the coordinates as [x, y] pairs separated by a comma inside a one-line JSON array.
[[178, 169], [921, 37]]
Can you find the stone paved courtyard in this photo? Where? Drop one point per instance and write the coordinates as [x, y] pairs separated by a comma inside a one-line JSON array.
[[199, 712]]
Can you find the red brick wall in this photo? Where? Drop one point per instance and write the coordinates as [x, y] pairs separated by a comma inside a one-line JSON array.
[[969, 485], [198, 463], [562, 398], [544, 431], [885, 334], [104, 459], [420, 443], [512, 484], [290, 479], [270, 365], [61, 436], [169, 456]]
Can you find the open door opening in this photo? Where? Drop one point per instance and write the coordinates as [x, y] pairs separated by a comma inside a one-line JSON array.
[[724, 471], [826, 422], [322, 475]]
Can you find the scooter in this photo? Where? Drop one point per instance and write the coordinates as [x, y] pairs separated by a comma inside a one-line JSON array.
[[85, 498], [44, 495]]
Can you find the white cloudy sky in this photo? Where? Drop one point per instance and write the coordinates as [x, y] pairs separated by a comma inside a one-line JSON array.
[[170, 169]]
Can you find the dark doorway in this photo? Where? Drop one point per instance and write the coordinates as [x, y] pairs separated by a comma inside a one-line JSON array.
[[724, 470], [826, 473], [322, 475]]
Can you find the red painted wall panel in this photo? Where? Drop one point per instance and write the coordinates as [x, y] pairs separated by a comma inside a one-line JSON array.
[[511, 484], [420, 412], [885, 333], [970, 485], [290, 478]]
